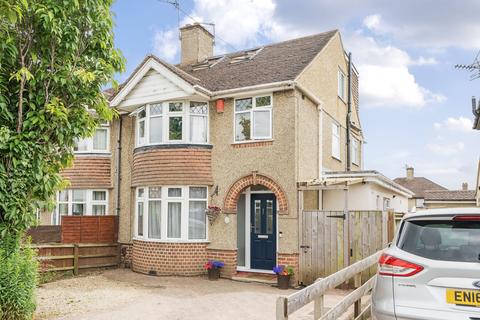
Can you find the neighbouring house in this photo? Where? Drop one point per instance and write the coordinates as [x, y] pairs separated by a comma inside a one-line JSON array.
[[429, 195], [243, 132]]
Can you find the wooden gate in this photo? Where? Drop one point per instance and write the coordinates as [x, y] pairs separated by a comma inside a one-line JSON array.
[[324, 249]]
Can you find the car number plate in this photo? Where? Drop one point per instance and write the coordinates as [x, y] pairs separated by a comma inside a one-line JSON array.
[[464, 297]]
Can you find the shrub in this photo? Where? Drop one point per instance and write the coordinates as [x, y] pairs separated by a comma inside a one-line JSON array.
[[18, 279]]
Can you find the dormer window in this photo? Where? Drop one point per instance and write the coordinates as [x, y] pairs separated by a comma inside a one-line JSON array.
[[172, 122]]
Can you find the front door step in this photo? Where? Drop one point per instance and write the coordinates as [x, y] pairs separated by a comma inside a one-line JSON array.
[[255, 277]]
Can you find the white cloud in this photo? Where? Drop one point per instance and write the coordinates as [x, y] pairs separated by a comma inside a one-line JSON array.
[[446, 149], [422, 61], [166, 44], [372, 22], [386, 80], [460, 124]]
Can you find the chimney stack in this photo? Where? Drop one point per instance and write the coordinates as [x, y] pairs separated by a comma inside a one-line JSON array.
[[464, 186], [410, 172], [196, 43]]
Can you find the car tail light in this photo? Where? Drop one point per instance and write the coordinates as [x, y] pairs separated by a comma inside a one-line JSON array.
[[467, 218], [393, 266]]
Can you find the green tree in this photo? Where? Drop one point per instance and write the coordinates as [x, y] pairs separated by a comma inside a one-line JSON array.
[[55, 58]]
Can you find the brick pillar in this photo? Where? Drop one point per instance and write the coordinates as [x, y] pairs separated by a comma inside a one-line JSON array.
[[290, 259], [229, 257]]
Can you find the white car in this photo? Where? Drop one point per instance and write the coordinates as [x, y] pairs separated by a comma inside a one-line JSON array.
[[432, 268]]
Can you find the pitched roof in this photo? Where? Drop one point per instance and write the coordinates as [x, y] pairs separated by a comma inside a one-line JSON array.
[[272, 63], [450, 195], [419, 185]]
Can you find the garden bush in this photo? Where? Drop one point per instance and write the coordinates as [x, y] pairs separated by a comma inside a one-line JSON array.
[[18, 279]]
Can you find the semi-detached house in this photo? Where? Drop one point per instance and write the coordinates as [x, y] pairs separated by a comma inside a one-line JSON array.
[[240, 131]]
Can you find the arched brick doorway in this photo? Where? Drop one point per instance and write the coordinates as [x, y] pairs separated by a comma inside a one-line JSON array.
[[236, 189]]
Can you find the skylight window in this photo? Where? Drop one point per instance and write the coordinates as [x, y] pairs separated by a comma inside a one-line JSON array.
[[207, 63], [245, 55]]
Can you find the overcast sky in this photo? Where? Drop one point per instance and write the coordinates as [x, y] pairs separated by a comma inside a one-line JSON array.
[[414, 105]]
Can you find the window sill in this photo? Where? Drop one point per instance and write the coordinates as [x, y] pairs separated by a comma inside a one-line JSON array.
[[173, 146], [170, 240], [92, 153], [252, 143]]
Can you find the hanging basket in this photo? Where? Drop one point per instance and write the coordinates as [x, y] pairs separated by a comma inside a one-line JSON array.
[[212, 213]]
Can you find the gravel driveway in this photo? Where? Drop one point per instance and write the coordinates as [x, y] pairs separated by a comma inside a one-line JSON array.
[[123, 294]]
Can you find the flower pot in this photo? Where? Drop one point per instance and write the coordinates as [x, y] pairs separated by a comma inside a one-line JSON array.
[[283, 281], [213, 274]]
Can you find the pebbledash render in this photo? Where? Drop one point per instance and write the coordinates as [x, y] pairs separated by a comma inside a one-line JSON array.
[[240, 131]]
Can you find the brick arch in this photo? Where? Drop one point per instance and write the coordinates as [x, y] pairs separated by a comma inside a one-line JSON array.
[[236, 189]]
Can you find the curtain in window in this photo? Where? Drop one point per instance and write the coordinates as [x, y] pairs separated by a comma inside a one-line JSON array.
[[140, 218], [154, 219], [196, 220], [156, 127], [174, 219], [261, 124], [100, 139], [98, 209], [198, 129]]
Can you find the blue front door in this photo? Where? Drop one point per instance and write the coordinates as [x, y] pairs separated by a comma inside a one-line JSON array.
[[263, 235]]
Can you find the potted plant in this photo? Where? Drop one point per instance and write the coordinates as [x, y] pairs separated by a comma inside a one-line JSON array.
[[212, 213], [213, 268], [283, 276]]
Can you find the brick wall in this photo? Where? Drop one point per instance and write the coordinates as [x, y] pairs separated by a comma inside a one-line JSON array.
[[172, 166], [126, 251], [169, 258], [89, 172], [229, 257], [290, 259]]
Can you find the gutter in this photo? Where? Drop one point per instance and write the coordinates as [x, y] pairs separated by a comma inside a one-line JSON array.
[[274, 86], [349, 111], [117, 169]]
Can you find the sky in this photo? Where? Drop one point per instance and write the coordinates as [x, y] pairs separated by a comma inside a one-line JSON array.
[[415, 107]]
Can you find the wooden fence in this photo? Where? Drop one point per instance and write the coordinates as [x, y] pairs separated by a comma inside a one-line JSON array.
[[328, 247], [316, 292], [89, 229], [76, 257], [45, 234]]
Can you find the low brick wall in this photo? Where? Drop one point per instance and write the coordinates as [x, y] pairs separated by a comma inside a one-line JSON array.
[[169, 258], [229, 257], [290, 259]]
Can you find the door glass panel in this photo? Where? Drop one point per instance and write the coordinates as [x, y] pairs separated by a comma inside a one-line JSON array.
[[258, 217], [269, 216]]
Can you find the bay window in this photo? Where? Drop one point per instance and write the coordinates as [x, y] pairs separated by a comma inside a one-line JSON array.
[[172, 122], [171, 213], [98, 143], [80, 202], [253, 118]]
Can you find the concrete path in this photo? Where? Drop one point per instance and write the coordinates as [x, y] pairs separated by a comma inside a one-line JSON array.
[[123, 294]]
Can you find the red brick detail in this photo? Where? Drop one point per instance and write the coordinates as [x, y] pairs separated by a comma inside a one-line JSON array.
[[126, 250], [252, 144], [290, 259], [169, 258], [172, 166], [89, 172], [230, 202], [229, 257]]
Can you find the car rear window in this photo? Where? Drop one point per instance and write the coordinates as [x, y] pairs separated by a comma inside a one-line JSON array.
[[442, 240]]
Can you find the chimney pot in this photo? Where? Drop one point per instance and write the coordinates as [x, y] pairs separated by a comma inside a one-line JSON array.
[[196, 43], [410, 172], [465, 186]]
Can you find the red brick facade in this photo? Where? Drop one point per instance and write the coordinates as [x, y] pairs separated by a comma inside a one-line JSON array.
[[89, 172], [169, 258], [229, 257], [290, 259], [181, 166], [231, 199]]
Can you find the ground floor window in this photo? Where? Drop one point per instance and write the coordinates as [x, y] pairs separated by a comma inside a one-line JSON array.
[[171, 213], [80, 202]]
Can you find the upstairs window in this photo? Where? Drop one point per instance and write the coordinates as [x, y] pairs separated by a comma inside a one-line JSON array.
[[99, 143], [172, 122], [336, 140], [253, 118], [355, 151], [341, 85]]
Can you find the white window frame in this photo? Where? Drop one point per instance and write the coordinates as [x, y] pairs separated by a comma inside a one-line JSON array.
[[341, 80], [89, 141], [355, 151], [252, 121], [89, 202], [166, 115], [336, 134], [420, 201], [165, 200]]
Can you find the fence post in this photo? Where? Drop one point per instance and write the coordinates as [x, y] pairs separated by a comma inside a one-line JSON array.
[[75, 259], [282, 312], [358, 304], [318, 307]]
